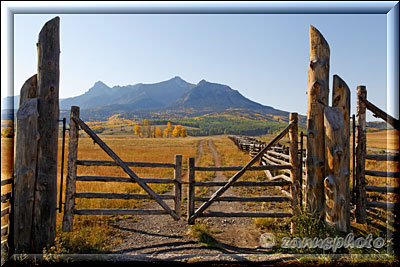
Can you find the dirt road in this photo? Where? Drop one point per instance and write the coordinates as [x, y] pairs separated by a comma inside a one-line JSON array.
[[160, 237]]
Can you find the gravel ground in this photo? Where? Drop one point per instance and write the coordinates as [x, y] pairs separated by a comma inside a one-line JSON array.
[[160, 236]]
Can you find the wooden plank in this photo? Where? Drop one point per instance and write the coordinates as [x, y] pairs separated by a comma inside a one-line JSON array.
[[381, 157], [382, 189], [295, 170], [191, 189], [130, 164], [283, 177], [25, 165], [123, 179], [7, 181], [381, 114], [277, 161], [248, 199], [247, 214], [382, 205], [70, 188], [45, 204], [246, 183], [235, 177], [382, 174], [361, 196], [317, 100], [274, 162], [336, 197], [284, 166], [126, 168], [178, 184], [119, 196], [118, 212], [341, 100], [272, 153]]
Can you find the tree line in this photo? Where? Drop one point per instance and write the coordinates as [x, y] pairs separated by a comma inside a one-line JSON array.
[[146, 130]]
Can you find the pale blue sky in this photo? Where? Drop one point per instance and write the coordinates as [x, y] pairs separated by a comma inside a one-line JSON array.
[[264, 56]]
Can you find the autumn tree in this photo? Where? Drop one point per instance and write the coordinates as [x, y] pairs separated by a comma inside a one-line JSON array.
[[158, 132], [177, 131], [183, 132], [146, 128], [137, 129], [168, 130]]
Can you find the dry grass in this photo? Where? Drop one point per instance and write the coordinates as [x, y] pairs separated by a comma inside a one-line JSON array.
[[90, 232]]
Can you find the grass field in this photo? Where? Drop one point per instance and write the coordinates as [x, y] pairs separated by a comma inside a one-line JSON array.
[[91, 232]]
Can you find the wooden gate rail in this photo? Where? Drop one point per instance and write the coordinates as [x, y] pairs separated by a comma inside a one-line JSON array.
[[362, 202], [279, 154], [294, 167], [70, 194], [5, 228], [193, 183]]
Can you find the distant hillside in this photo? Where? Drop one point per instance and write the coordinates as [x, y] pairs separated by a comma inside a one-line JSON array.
[[130, 97], [167, 100]]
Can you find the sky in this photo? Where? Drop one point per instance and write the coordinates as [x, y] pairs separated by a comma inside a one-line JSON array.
[[264, 56]]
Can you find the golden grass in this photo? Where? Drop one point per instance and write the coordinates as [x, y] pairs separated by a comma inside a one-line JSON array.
[[130, 148]]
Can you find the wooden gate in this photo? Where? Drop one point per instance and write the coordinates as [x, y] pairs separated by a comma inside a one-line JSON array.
[[70, 194], [293, 166]]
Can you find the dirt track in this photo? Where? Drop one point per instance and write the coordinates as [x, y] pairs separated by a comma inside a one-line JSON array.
[[159, 236]]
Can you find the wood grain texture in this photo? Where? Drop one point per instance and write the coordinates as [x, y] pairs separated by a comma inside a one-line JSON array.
[[361, 149], [25, 165], [70, 183], [337, 197], [317, 99], [45, 204]]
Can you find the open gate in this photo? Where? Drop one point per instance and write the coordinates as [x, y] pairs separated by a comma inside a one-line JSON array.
[[70, 193], [295, 176]]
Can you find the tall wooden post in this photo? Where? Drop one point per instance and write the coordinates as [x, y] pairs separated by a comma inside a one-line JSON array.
[[191, 189], [295, 164], [178, 183], [361, 149], [317, 98], [70, 187], [336, 182], [45, 205], [341, 100], [25, 165]]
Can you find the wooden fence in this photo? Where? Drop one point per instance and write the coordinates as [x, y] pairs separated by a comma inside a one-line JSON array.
[[5, 218], [277, 155], [362, 201], [71, 194], [293, 167]]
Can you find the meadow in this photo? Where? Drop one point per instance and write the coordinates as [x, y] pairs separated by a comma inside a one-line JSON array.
[[91, 233]]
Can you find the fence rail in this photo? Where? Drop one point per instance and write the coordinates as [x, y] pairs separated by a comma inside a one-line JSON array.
[[6, 219], [72, 178], [363, 203], [257, 151]]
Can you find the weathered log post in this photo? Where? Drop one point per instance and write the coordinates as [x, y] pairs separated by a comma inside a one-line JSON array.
[[336, 197], [25, 165], [361, 149], [178, 184], [317, 99], [191, 189], [70, 187], [295, 166], [341, 100], [45, 204]]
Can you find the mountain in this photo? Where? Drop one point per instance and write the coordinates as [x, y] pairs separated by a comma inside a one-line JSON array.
[[130, 97], [218, 97], [174, 98]]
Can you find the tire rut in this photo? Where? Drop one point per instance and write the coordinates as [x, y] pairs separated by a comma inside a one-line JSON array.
[[161, 234]]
